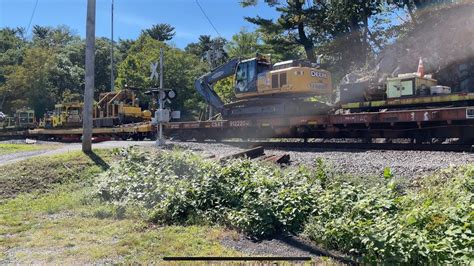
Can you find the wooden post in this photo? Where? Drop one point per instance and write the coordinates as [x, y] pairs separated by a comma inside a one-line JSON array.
[[89, 84]]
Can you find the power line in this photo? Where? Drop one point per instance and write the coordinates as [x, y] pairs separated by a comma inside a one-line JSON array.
[[208, 19], [32, 15]]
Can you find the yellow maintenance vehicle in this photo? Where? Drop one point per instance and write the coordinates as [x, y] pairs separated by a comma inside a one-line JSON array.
[[23, 118], [112, 109], [263, 88], [118, 107], [64, 115]]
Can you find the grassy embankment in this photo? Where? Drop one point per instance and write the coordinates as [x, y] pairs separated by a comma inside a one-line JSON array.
[[6, 148], [47, 215]]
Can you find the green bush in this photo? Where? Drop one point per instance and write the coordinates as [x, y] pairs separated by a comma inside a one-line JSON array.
[[432, 223], [377, 220], [182, 188]]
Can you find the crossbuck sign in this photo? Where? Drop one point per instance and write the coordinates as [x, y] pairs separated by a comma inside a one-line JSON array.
[[154, 73]]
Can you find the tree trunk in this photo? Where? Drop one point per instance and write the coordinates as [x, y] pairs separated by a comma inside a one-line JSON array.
[[307, 43], [369, 36], [411, 12], [3, 101], [303, 38]]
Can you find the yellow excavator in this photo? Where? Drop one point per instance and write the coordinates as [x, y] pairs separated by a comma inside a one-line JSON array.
[[263, 88]]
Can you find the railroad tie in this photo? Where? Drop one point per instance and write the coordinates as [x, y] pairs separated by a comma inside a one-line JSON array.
[[250, 153], [278, 159]]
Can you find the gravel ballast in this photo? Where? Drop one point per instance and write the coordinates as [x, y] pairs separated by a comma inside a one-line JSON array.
[[354, 162]]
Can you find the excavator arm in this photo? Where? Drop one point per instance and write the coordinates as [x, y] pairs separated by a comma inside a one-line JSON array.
[[204, 84]]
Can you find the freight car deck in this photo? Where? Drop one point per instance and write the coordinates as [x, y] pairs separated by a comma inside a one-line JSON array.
[[454, 99], [422, 125], [137, 131], [13, 134]]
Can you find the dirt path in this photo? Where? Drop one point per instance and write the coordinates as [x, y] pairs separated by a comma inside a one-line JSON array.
[[69, 147]]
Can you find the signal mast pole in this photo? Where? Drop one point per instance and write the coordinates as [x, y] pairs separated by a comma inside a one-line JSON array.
[[112, 78], [160, 141]]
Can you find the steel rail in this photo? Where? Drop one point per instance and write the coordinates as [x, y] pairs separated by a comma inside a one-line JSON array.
[[355, 146]]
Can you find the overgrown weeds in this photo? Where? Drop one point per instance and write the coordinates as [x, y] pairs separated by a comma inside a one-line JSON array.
[[377, 221]]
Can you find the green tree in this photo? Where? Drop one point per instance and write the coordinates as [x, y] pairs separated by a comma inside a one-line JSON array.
[[199, 48], [29, 83], [12, 48], [161, 32], [295, 18], [180, 71], [53, 36], [61, 76], [67, 74], [40, 32], [123, 46], [338, 29], [244, 44], [204, 45], [102, 63]]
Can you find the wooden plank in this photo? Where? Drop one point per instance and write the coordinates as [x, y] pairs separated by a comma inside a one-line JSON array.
[[278, 159], [250, 153]]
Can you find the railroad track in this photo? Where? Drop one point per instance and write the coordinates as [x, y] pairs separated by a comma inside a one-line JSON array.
[[355, 146]]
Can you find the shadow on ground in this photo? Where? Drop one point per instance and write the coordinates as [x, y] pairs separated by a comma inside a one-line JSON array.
[[97, 160], [291, 246]]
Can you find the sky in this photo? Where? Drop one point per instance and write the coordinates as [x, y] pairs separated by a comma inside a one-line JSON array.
[[132, 16]]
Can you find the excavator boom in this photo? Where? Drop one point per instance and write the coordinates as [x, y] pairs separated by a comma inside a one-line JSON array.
[[204, 84]]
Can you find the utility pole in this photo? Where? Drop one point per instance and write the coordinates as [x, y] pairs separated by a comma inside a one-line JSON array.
[[112, 78], [89, 84]]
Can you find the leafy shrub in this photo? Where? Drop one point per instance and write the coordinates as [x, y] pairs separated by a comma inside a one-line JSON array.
[[431, 224], [377, 220], [182, 188]]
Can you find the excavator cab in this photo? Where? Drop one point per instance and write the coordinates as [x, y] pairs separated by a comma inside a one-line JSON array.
[[247, 73]]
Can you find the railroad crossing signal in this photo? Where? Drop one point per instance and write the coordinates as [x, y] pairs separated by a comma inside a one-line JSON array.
[[168, 94], [154, 73], [171, 94]]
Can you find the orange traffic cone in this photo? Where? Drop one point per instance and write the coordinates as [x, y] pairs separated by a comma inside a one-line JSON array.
[[421, 69]]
